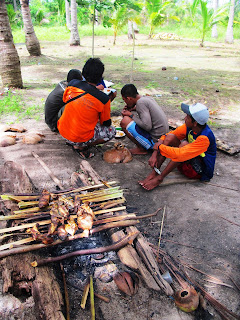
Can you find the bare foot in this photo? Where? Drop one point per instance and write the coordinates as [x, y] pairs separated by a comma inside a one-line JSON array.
[[153, 183], [138, 151], [151, 176]]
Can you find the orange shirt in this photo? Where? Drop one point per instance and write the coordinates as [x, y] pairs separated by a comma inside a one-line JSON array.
[[193, 149], [80, 116]]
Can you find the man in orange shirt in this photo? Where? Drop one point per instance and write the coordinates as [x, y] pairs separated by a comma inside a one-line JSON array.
[[86, 119], [195, 157]]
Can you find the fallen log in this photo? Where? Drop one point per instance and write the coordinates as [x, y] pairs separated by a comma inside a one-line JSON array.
[[43, 295]]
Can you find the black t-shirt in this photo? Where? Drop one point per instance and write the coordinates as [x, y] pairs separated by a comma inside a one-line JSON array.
[[53, 104]]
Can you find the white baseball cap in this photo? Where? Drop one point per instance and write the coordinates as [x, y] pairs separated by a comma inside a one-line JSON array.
[[198, 111]]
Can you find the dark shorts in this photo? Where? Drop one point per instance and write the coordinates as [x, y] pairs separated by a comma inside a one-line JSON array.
[[193, 168]]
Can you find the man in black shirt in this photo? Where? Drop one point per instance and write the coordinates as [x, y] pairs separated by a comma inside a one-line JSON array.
[[55, 102]]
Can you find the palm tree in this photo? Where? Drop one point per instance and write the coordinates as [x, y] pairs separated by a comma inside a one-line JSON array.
[[9, 60], [214, 28], [32, 43], [157, 11], [229, 33], [68, 22], [209, 18], [74, 39], [118, 20]]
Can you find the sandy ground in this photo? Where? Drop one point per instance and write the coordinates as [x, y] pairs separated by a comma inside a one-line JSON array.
[[194, 229]]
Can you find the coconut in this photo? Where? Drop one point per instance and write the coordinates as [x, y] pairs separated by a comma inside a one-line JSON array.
[[187, 299]]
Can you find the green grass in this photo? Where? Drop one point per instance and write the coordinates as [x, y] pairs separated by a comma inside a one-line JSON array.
[[61, 33], [14, 104]]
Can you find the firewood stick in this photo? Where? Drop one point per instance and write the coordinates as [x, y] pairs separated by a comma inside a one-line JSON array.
[[92, 298], [65, 292], [113, 247], [102, 221], [85, 295], [38, 246], [103, 298], [45, 167]]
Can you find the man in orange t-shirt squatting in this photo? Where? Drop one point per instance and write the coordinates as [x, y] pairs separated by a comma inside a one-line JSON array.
[[191, 148], [86, 119]]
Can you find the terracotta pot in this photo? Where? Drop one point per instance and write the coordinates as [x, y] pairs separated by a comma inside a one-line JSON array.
[[187, 299]]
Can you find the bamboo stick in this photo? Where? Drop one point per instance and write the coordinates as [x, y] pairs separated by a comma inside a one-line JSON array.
[[15, 243], [22, 216], [65, 292], [38, 246], [85, 295], [92, 298], [24, 204]]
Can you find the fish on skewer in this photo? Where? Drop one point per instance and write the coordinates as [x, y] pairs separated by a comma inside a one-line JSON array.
[[44, 199], [71, 227], [85, 217]]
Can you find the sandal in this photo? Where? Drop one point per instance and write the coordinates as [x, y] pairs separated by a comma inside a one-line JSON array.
[[84, 154]]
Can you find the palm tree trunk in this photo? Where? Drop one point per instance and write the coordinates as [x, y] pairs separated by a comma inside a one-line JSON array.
[[229, 33], [32, 43], [130, 29], [214, 28], [9, 60], [74, 39], [68, 22]]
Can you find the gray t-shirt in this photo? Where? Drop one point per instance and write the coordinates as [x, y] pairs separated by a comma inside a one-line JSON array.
[[151, 117]]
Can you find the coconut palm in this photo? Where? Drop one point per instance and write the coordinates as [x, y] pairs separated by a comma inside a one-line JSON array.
[[67, 10], [157, 11], [74, 39], [229, 33], [209, 18], [9, 60], [31, 40], [214, 28]]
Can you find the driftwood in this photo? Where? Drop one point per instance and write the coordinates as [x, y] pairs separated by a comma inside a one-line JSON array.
[[43, 299]]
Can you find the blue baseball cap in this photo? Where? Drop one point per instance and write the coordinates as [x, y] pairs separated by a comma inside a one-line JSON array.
[[198, 111]]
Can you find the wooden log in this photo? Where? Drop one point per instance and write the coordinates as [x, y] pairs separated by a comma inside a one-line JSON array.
[[40, 287], [146, 254]]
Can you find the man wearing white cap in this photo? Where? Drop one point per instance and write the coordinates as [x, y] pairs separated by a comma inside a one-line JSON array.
[[194, 157]]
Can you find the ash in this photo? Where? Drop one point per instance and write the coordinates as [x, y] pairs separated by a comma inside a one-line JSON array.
[[78, 269]]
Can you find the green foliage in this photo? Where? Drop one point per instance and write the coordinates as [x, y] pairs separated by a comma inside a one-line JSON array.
[[157, 13], [11, 14], [11, 104], [209, 17]]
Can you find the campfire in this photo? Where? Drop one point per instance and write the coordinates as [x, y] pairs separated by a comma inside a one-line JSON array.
[[88, 230]]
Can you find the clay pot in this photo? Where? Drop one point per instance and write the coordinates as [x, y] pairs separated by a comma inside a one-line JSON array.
[[187, 299]]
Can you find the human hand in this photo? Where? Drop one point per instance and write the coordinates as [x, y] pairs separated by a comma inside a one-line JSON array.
[[153, 159], [126, 113]]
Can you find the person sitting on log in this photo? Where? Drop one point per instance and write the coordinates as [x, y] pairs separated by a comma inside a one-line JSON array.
[[146, 125], [86, 119], [194, 157], [54, 101]]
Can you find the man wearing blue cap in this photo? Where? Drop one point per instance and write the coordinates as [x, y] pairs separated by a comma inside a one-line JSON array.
[[191, 148]]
